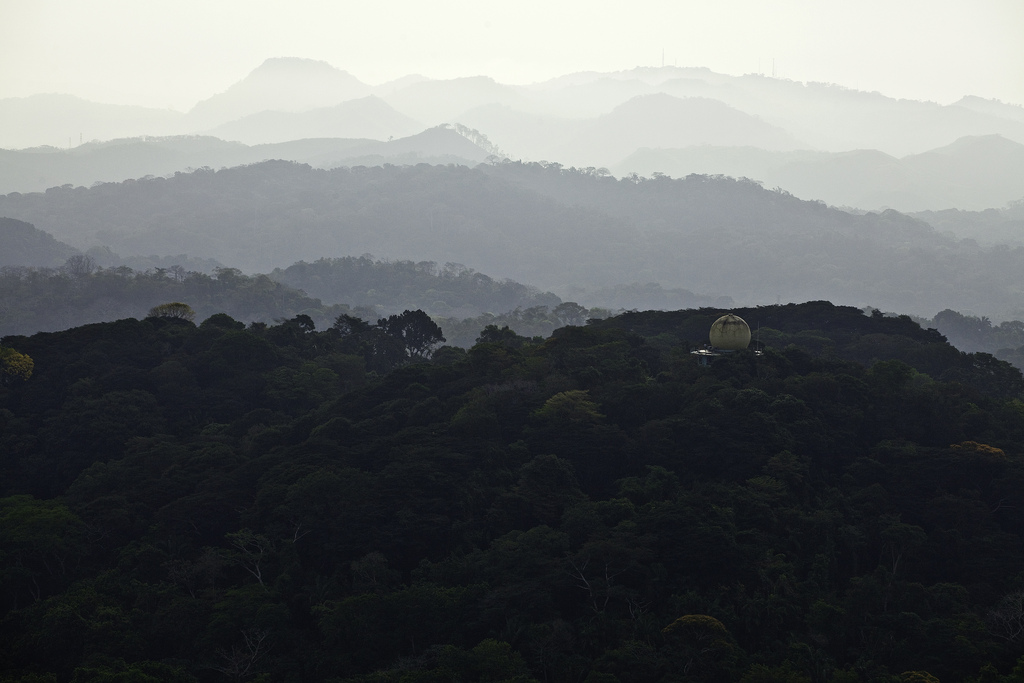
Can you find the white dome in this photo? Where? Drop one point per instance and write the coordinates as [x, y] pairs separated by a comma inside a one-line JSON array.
[[730, 332]]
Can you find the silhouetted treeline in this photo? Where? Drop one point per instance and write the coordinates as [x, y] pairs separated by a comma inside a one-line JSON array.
[[80, 292], [211, 502]]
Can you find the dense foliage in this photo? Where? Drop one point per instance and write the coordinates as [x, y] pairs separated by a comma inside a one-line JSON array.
[[14, 366], [210, 502]]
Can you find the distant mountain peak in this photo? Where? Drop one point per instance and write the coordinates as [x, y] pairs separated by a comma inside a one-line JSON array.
[[300, 67], [992, 141], [281, 84], [1005, 110], [273, 63], [974, 99]]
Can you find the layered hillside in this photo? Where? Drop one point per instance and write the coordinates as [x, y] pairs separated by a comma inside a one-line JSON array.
[[21, 244], [973, 173], [38, 169], [552, 227]]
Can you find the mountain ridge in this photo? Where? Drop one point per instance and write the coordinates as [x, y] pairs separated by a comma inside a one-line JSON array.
[[363, 117], [971, 173], [279, 84], [554, 227], [35, 170], [825, 116]]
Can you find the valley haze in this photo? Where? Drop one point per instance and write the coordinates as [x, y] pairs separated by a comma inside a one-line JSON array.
[[582, 163]]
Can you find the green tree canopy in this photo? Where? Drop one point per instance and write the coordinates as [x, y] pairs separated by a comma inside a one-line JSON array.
[[175, 309], [14, 365]]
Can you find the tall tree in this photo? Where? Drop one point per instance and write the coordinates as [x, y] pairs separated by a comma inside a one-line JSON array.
[[416, 330]]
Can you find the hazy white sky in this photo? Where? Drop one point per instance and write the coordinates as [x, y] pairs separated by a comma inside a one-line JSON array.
[[176, 52]]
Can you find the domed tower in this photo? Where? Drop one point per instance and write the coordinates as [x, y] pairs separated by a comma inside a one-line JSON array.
[[730, 333]]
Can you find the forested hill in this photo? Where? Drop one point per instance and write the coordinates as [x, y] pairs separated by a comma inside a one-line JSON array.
[[195, 503], [555, 228], [450, 290], [51, 299], [22, 245]]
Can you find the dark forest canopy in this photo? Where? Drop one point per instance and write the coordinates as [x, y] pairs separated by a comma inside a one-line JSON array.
[[553, 227], [213, 502]]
